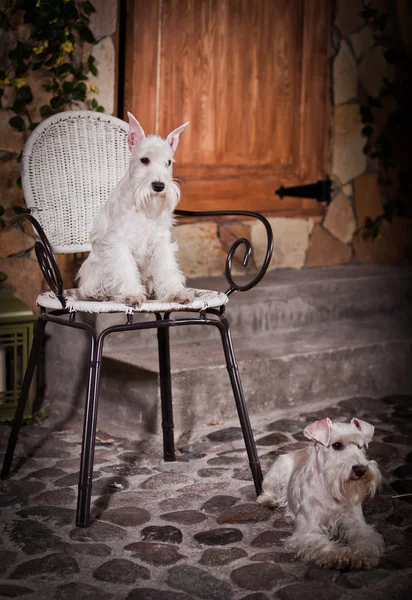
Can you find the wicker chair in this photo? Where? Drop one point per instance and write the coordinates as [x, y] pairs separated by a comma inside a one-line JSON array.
[[71, 163]]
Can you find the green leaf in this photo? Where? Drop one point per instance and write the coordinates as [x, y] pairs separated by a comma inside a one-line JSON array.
[[68, 87], [3, 276], [95, 104], [18, 123], [18, 210], [84, 33], [33, 126], [88, 8], [91, 65], [100, 109], [366, 114], [25, 94], [79, 92], [18, 106], [46, 110], [1, 210], [18, 181], [65, 68], [367, 130]]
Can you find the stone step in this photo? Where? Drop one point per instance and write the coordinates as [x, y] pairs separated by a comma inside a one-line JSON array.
[[290, 299], [287, 368]]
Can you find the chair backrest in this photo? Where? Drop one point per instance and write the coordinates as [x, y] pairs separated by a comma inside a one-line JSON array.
[[70, 165]]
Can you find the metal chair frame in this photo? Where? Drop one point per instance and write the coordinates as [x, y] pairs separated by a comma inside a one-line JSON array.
[[208, 317]]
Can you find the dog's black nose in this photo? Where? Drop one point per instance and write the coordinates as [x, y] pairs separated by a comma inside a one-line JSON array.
[[359, 470], [158, 186]]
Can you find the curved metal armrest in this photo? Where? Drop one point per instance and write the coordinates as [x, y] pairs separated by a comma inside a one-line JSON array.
[[45, 257], [234, 287]]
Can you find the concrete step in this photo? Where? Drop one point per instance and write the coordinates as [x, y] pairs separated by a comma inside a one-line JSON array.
[[290, 299], [281, 369]]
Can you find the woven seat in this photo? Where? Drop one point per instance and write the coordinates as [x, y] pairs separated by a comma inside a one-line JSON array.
[[204, 299], [71, 163]]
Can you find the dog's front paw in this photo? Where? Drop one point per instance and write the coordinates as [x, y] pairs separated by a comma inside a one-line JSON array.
[[135, 301], [183, 296]]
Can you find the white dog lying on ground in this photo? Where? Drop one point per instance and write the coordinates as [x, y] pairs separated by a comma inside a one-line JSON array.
[[321, 488]]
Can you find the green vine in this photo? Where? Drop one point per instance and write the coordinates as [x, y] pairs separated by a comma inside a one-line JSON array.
[[53, 38], [384, 129]]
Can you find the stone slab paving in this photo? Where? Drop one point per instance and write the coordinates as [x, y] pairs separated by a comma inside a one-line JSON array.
[[190, 529]]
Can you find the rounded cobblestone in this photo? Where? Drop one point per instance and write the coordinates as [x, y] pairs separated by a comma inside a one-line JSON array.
[[52, 566], [245, 513], [198, 582], [215, 557], [219, 537], [155, 553], [184, 517], [167, 534], [121, 571], [126, 516], [259, 576], [80, 591]]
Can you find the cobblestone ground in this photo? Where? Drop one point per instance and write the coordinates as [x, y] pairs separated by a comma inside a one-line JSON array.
[[190, 529]]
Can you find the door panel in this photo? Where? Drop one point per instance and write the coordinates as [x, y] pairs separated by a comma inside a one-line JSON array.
[[252, 78]]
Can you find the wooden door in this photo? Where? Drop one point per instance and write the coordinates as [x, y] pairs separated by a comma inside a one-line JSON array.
[[251, 76]]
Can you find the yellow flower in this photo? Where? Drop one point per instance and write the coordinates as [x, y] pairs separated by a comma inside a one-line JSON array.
[[94, 88], [19, 82], [38, 49], [67, 47], [59, 60], [53, 21], [38, 3], [5, 81]]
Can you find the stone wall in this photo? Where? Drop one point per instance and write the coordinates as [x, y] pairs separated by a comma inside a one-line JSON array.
[[357, 69]]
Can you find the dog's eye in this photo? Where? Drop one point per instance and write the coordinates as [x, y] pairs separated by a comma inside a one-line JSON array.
[[169, 162], [144, 160], [337, 446]]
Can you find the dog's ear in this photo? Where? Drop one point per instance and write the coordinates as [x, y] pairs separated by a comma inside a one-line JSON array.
[[366, 428], [173, 138], [319, 431], [136, 133]]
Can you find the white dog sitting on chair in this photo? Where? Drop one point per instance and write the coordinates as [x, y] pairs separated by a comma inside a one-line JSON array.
[[321, 488], [132, 256]]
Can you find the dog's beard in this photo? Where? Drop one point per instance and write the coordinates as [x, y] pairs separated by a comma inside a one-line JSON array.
[[352, 491], [154, 203]]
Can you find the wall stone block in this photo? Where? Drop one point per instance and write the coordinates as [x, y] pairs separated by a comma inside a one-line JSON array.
[[340, 220], [291, 242], [345, 75], [200, 251], [104, 53], [362, 41], [368, 198], [103, 22], [324, 250], [348, 158]]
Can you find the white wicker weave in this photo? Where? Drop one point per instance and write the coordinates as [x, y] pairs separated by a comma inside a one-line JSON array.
[[71, 163], [203, 299]]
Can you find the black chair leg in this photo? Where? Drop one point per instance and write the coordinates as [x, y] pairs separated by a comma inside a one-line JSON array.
[[21, 405], [88, 441], [163, 338], [233, 370]]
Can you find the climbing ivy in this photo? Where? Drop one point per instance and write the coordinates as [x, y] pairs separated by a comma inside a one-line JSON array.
[[385, 129], [53, 38]]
